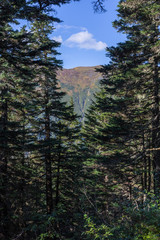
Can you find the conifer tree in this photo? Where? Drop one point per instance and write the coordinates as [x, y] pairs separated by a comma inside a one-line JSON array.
[[106, 131], [48, 99], [19, 59], [122, 126], [141, 23], [68, 172]]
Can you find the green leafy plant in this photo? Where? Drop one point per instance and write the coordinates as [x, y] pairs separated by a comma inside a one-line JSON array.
[[96, 232]]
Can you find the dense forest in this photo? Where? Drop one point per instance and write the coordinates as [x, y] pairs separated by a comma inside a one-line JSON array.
[[64, 179]]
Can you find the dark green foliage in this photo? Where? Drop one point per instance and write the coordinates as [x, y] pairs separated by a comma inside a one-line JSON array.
[[137, 222], [122, 125], [31, 108]]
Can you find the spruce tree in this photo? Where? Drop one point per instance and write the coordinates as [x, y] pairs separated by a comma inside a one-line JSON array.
[[141, 24], [121, 129], [20, 58]]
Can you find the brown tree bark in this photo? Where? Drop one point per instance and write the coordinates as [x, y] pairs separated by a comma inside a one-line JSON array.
[[4, 163], [49, 191], [156, 128]]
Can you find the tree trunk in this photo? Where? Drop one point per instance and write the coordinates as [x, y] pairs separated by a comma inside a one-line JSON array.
[[49, 195], [4, 164], [155, 128], [58, 177], [149, 166]]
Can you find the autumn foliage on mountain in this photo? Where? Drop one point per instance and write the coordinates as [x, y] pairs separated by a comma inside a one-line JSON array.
[[79, 77], [80, 83]]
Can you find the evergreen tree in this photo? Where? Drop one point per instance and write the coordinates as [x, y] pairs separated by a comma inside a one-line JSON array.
[[141, 23], [121, 129], [20, 58], [106, 132], [68, 170]]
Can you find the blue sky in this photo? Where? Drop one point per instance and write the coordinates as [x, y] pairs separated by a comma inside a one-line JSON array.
[[84, 34]]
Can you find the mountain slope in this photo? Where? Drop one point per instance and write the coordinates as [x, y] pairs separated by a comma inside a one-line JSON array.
[[81, 84]]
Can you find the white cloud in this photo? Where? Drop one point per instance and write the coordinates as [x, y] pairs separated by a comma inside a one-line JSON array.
[[58, 39], [85, 40], [68, 27], [83, 28], [62, 26]]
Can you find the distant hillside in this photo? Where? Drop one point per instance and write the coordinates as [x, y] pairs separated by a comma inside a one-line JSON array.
[[79, 83]]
